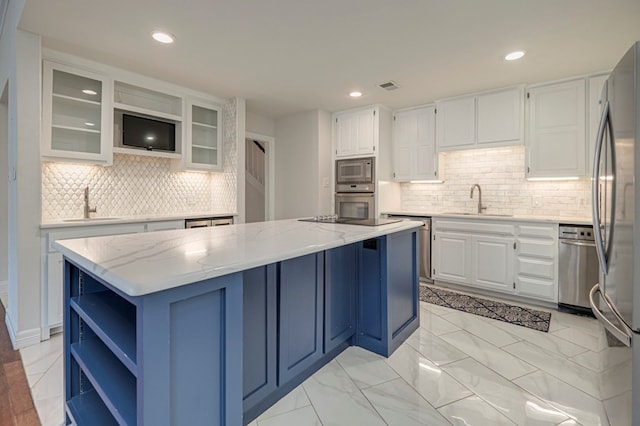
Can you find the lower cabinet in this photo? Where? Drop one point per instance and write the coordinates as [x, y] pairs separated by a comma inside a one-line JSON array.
[[387, 292], [492, 262], [515, 258], [52, 281], [259, 334], [452, 257], [300, 313], [340, 275], [536, 265], [300, 324], [52, 301], [54, 289]]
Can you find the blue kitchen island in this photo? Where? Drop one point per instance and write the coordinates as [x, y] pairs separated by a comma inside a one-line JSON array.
[[214, 325]]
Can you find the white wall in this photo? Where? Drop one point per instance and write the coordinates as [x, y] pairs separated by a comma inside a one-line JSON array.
[[20, 65], [261, 125], [297, 165], [325, 193], [303, 160], [4, 185]]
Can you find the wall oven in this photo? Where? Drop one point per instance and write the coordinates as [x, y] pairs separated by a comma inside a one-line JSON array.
[[355, 188], [355, 205]]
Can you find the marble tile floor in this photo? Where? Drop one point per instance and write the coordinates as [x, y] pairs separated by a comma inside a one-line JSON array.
[[456, 369]]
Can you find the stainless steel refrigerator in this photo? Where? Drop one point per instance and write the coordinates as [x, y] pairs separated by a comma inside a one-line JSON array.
[[615, 300]]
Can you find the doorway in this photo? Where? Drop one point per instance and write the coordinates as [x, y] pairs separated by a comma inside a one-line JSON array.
[[4, 193], [258, 178]]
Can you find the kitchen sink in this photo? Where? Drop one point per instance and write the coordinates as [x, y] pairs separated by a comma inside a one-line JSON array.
[[91, 219]]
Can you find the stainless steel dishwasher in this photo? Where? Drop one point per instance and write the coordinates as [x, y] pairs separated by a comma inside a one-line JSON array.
[[424, 243], [578, 268]]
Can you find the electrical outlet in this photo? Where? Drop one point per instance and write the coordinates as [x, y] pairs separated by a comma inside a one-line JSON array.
[[191, 200], [325, 182], [536, 201]]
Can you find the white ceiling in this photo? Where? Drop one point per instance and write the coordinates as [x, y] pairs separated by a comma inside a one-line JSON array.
[[286, 56]]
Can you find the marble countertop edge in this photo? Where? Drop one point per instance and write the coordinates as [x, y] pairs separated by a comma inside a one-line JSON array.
[[140, 264]]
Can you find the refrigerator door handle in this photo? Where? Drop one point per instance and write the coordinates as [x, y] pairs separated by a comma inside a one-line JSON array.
[[623, 334], [595, 190], [602, 251]]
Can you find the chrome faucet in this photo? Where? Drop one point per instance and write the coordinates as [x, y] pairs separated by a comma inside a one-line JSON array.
[[88, 209], [480, 206]]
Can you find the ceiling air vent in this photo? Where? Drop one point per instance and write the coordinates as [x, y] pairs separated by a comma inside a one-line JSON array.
[[389, 85]]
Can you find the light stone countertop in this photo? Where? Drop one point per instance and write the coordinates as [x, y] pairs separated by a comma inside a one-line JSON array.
[[74, 222], [140, 264], [494, 217]]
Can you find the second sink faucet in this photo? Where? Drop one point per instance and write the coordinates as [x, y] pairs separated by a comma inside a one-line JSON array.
[[88, 209], [480, 206]]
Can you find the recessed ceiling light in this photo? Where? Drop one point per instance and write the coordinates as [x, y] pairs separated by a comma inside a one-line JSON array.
[[514, 55], [89, 92], [163, 37], [355, 94]]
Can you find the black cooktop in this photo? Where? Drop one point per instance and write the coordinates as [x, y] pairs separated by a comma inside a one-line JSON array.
[[351, 221]]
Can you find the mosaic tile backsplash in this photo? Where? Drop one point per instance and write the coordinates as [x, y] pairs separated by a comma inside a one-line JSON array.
[[500, 174], [136, 185]]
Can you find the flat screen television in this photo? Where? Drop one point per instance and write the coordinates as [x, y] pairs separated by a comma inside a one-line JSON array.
[[152, 135]]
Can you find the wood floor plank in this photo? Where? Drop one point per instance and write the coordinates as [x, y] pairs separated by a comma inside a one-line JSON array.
[[16, 403]]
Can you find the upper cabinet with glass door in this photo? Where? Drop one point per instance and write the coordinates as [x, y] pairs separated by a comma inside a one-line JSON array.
[[76, 115], [204, 136]]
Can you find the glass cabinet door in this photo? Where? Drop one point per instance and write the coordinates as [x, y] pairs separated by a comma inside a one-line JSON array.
[[205, 137], [75, 117]]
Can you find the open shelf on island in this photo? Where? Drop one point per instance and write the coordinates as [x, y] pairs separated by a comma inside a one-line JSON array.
[[113, 320], [88, 408], [112, 381]]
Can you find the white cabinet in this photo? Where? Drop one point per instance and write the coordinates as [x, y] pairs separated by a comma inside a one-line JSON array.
[[536, 254], [515, 258], [482, 120], [55, 290], [52, 278], [204, 136], [452, 257], [556, 137], [151, 102], [492, 262], [165, 225], [76, 114], [414, 153], [499, 117], [595, 86], [456, 123], [355, 132], [473, 252]]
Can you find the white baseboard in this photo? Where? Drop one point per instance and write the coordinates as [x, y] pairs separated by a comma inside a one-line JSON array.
[[24, 338]]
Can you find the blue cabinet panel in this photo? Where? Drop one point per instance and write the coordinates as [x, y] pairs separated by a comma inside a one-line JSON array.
[[341, 269], [372, 306], [194, 370], [197, 327], [402, 281], [259, 336], [300, 325], [387, 291]]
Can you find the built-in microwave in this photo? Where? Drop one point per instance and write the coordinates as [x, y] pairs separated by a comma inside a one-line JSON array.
[[360, 171]]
